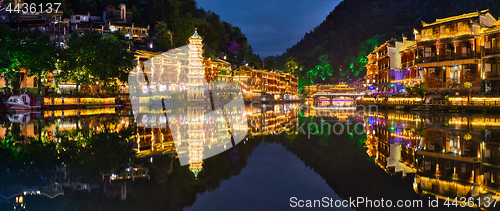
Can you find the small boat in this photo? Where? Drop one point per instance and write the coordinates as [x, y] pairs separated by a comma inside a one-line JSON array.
[[21, 102]]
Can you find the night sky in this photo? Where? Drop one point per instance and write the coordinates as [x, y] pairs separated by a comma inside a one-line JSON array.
[[271, 26]]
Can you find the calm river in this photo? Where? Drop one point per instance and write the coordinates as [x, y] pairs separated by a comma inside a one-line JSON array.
[[292, 156]]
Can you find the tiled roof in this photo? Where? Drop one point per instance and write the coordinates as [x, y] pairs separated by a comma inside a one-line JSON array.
[[454, 18], [494, 29]]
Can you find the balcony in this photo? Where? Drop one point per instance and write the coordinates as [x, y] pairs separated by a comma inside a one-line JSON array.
[[446, 34], [448, 57], [383, 67], [427, 59], [492, 51], [468, 56], [407, 64], [492, 75]]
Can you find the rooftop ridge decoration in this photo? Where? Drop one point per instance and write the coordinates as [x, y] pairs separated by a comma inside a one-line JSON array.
[[454, 18]]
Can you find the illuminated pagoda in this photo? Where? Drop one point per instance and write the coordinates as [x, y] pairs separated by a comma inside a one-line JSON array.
[[196, 74]]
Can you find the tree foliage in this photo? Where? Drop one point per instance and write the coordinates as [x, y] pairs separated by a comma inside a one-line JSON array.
[[291, 66], [417, 90], [25, 53], [90, 58]]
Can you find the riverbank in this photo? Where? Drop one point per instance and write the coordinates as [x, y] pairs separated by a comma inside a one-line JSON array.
[[274, 101], [451, 105], [66, 106]]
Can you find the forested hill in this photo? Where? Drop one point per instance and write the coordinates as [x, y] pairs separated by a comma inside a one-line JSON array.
[[179, 17], [354, 27]]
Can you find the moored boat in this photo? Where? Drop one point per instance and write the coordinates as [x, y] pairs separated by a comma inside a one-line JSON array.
[[21, 102]]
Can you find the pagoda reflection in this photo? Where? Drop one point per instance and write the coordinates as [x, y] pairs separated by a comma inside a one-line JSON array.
[[449, 156], [189, 132]]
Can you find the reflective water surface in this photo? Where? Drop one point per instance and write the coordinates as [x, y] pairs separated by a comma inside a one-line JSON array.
[[103, 159]]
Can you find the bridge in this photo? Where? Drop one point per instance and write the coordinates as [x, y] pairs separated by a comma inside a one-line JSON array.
[[325, 99]]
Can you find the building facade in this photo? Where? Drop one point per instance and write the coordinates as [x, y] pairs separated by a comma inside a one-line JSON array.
[[388, 69], [266, 85], [445, 55]]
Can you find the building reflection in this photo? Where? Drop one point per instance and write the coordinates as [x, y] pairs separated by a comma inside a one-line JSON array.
[[191, 132], [340, 113], [266, 119], [450, 156], [47, 124]]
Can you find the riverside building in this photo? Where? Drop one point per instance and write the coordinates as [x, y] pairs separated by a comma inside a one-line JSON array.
[[445, 54]]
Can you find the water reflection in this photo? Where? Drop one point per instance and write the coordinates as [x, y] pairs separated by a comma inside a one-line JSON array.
[[79, 149], [106, 153], [451, 155]]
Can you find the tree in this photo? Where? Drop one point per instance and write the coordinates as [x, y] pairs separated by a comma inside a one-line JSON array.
[[163, 36], [418, 90], [291, 66], [26, 53], [79, 58], [467, 86], [14, 55], [113, 61], [42, 55], [321, 71], [93, 56], [270, 64]]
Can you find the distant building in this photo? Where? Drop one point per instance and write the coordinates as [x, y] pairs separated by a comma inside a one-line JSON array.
[[79, 17], [217, 70], [266, 85], [131, 30], [119, 14]]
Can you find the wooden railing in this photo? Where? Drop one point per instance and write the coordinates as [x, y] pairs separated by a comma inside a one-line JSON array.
[[407, 64], [447, 34], [490, 75], [448, 57], [491, 51]]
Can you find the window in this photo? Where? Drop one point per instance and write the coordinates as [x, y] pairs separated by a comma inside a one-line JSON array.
[[487, 45], [435, 30], [77, 18], [487, 67], [427, 51], [2, 17], [451, 27]]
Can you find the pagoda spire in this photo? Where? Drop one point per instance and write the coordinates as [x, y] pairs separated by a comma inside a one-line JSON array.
[[196, 35]]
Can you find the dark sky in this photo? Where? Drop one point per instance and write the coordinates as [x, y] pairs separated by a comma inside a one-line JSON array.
[[271, 26]]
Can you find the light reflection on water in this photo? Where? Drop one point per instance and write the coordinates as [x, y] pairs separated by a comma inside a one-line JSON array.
[[440, 155]]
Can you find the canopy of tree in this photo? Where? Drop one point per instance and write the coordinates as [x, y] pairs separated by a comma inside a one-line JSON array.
[[88, 57]]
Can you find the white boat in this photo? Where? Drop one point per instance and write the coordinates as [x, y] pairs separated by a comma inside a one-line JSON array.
[[21, 102]]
